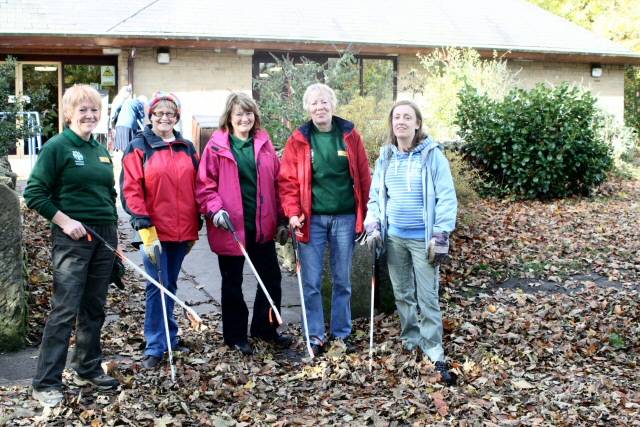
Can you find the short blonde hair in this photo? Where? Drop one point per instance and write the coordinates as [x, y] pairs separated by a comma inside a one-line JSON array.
[[77, 94], [319, 87], [247, 104]]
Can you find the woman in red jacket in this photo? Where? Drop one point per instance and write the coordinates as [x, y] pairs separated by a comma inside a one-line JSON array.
[[237, 183], [324, 188], [158, 191]]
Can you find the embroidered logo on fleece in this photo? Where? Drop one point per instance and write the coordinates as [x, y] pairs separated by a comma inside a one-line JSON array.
[[78, 157]]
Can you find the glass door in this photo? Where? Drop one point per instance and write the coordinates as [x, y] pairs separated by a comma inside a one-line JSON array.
[[43, 79]]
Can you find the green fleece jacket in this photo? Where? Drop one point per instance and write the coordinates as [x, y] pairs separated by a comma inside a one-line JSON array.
[[73, 176]]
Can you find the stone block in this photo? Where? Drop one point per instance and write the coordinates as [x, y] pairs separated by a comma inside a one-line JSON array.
[[13, 308]]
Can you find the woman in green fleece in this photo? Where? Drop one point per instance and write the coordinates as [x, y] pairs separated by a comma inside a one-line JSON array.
[[72, 184]]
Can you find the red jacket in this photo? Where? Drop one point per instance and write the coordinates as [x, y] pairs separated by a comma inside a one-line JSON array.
[[296, 174], [218, 187], [157, 186]]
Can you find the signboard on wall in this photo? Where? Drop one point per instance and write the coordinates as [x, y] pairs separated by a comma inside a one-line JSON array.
[[108, 75]]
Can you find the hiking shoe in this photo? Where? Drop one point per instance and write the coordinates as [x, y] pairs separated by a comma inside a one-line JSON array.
[[279, 340], [243, 347], [150, 362], [349, 347], [446, 376], [49, 397], [317, 348], [102, 381]]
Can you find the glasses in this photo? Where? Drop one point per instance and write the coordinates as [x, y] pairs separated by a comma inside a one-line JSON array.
[[160, 114]]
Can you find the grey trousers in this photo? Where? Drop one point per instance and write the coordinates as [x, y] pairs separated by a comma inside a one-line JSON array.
[[407, 260], [81, 273]]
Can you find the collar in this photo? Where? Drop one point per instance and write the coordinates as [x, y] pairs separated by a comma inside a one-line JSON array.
[[76, 140]]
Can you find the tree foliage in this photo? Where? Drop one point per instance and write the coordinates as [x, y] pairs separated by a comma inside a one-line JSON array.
[[544, 143], [443, 74]]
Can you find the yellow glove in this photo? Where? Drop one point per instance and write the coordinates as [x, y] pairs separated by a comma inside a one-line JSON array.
[[150, 242]]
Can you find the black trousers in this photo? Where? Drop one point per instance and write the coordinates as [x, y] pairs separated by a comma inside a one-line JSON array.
[[234, 309], [81, 273]]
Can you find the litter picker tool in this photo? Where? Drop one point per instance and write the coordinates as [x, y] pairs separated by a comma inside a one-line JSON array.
[[195, 320], [373, 291], [227, 220], [164, 315], [294, 241]]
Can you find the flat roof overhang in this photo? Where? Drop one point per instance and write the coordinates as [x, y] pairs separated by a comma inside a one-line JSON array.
[[93, 45]]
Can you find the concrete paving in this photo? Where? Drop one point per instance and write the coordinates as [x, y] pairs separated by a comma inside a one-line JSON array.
[[198, 285]]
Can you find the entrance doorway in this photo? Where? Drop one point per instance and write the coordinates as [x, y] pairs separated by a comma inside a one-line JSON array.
[[44, 78]]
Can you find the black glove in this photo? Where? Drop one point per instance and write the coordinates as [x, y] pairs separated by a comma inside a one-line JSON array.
[[117, 273], [439, 248]]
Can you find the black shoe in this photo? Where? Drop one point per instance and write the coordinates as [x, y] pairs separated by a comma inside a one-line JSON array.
[[349, 347], [279, 340], [150, 362], [102, 381], [243, 347], [317, 348], [180, 347], [446, 376]]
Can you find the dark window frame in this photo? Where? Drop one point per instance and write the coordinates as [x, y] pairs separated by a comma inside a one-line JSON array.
[[322, 58]]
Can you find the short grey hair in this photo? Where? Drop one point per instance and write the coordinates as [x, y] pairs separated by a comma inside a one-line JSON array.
[[319, 87]]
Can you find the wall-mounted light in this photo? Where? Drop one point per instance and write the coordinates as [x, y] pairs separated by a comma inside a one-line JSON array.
[[244, 52], [596, 71], [163, 55]]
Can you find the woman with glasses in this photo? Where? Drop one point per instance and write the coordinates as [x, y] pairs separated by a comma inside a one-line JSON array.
[[237, 183], [158, 191]]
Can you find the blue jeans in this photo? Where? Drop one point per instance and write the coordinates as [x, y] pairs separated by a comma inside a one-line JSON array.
[[338, 231], [173, 254]]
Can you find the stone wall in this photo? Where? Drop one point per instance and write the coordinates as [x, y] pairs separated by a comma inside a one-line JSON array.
[[13, 308]]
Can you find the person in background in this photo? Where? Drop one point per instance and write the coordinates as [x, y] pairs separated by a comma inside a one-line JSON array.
[[411, 213], [158, 191], [324, 184], [237, 183], [129, 121], [72, 184]]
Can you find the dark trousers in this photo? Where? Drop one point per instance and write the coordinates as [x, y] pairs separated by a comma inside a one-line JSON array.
[[81, 274], [234, 310]]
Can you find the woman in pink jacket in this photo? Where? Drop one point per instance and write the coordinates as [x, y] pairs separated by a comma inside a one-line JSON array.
[[237, 183]]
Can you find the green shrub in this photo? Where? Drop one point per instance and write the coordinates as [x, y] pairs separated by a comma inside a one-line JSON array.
[[370, 118], [543, 143]]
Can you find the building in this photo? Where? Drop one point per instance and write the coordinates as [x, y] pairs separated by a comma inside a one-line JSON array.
[[201, 50]]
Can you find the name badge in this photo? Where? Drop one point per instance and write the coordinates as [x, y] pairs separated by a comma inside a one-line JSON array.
[[104, 159], [342, 153]]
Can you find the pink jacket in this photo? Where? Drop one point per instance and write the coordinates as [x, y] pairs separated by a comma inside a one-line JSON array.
[[218, 187]]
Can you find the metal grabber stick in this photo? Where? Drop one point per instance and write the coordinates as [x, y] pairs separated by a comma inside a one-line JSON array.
[[194, 318], [165, 318], [373, 291], [294, 242], [227, 220]]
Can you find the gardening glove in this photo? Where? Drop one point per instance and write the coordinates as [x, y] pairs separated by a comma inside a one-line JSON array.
[[282, 235], [221, 220], [150, 242], [439, 248], [117, 273], [361, 238], [374, 240]]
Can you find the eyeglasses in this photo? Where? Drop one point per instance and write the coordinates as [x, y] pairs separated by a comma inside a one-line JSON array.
[[160, 114]]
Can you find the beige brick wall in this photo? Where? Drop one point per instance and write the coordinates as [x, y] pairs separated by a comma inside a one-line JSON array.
[[608, 89], [202, 79]]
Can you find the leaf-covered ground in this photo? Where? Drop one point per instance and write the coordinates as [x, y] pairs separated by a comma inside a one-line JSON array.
[[541, 308]]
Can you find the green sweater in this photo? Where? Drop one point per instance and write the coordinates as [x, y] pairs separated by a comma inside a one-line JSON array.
[[73, 176], [332, 185], [245, 157]]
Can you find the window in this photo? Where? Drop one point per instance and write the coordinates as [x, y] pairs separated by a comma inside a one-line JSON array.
[[368, 76]]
